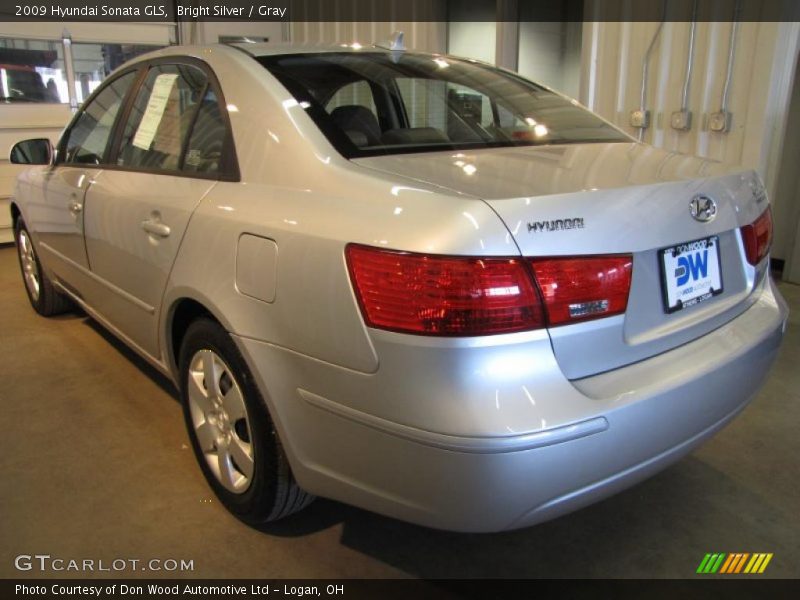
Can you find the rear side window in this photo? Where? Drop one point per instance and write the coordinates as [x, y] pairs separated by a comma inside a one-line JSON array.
[[174, 124], [204, 150], [89, 137]]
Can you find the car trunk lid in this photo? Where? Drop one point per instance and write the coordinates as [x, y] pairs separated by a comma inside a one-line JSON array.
[[595, 199]]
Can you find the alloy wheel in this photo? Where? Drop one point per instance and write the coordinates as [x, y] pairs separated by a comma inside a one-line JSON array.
[[30, 270], [220, 421]]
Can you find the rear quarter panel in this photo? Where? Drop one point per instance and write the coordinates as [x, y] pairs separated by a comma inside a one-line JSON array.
[[297, 191]]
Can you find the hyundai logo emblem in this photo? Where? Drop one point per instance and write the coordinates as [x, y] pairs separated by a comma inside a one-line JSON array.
[[703, 208]]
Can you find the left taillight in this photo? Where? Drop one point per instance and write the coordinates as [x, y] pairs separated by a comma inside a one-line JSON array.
[[443, 295], [757, 237]]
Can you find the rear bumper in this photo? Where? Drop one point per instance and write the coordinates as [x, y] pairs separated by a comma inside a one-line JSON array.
[[598, 435]]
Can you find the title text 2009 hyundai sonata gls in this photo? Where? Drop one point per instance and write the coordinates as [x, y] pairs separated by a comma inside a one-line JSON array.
[[409, 282]]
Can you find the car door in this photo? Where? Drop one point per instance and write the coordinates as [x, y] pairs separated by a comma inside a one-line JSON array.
[[58, 215], [170, 151]]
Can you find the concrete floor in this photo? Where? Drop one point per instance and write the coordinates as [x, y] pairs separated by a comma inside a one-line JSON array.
[[94, 463]]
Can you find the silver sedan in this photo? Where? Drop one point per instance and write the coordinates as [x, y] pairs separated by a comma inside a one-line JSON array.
[[414, 283]]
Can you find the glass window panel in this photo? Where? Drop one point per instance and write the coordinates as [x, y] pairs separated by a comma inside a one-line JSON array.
[[88, 138], [204, 151], [161, 117], [353, 94], [32, 71]]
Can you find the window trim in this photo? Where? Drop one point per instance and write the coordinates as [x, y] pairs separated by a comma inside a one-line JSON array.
[[229, 165]]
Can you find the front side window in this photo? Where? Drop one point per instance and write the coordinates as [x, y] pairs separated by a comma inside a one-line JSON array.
[[422, 103], [88, 139], [175, 123]]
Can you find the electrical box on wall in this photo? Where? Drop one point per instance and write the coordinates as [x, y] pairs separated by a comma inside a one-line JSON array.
[[681, 120], [640, 118], [720, 121]]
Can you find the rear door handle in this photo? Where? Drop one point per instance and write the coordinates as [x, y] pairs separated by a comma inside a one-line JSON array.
[[156, 228]]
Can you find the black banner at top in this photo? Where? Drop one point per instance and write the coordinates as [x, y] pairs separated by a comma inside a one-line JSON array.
[[397, 10]]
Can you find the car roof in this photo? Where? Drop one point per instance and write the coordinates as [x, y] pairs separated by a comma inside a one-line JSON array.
[[273, 49], [263, 49], [256, 50]]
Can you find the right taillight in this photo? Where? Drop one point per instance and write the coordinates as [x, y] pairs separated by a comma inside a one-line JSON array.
[[473, 296], [585, 287], [757, 237]]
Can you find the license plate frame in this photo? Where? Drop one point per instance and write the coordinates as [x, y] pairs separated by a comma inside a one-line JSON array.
[[678, 297]]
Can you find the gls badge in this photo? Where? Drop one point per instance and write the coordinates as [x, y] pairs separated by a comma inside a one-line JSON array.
[[703, 208]]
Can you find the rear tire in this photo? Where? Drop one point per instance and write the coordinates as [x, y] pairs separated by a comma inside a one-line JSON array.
[[42, 294], [233, 437]]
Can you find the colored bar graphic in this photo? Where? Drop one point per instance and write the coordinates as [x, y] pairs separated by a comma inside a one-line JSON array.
[[730, 564], [717, 564], [735, 557], [734, 563], [703, 563], [754, 562], [765, 563], [727, 564], [711, 563], [741, 562]]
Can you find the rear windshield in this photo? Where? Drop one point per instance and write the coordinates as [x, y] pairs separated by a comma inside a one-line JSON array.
[[375, 103]]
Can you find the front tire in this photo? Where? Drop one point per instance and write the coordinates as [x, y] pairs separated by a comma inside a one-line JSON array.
[[42, 294], [233, 437]]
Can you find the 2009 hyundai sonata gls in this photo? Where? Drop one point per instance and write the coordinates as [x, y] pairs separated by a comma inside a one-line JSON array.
[[414, 283]]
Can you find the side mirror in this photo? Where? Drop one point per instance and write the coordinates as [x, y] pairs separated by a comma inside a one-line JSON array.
[[38, 151]]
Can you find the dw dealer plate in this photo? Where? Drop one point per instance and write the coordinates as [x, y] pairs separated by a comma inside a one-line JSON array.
[[690, 273]]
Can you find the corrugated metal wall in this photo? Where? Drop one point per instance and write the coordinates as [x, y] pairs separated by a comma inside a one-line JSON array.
[[763, 66], [426, 37], [617, 81]]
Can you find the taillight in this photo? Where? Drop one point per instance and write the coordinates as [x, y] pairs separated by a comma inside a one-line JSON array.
[[581, 288], [757, 237], [468, 296], [442, 295]]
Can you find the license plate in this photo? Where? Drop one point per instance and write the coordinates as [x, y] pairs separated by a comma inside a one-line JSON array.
[[690, 273]]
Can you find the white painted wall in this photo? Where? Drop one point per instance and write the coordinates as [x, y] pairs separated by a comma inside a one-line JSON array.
[[19, 122], [208, 32], [121, 33]]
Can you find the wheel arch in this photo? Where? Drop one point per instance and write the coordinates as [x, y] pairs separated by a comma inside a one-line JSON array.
[[16, 214], [183, 310]]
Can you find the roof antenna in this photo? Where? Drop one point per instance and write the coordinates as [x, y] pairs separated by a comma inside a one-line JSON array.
[[396, 44]]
